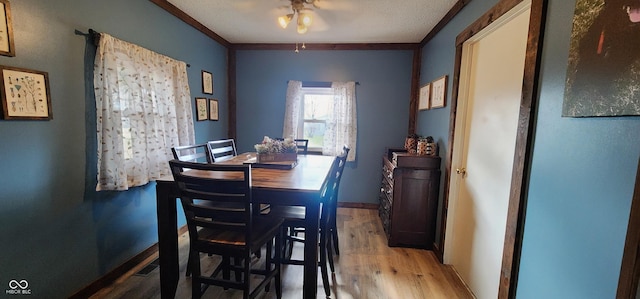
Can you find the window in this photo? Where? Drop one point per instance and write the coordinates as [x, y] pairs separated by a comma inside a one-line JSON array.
[[326, 116], [143, 109], [316, 106]]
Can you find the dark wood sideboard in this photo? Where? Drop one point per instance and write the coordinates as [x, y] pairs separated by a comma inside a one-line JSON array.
[[409, 198]]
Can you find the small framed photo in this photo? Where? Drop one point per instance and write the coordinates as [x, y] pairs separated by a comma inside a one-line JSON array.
[[207, 82], [425, 97], [439, 92], [6, 30], [213, 110], [201, 109], [25, 94]]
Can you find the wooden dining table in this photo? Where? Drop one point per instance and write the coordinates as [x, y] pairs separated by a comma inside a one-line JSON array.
[[298, 186]]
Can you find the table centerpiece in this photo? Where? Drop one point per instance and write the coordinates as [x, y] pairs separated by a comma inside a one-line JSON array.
[[274, 150]]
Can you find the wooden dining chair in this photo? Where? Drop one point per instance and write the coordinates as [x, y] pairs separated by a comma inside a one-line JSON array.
[[301, 144], [222, 150], [232, 231], [192, 153], [294, 221]]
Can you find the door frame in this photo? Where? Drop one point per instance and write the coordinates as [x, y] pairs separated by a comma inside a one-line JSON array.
[[524, 137]]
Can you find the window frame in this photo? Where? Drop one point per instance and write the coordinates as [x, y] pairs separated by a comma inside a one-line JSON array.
[[325, 91]]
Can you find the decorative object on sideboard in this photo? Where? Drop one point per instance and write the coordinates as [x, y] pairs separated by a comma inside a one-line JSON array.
[[272, 150], [427, 147], [411, 143]]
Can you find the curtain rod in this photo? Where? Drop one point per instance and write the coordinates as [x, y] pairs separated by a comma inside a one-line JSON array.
[[312, 83], [95, 37]]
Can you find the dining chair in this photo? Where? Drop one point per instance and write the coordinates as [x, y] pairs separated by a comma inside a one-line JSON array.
[[232, 231], [301, 144], [294, 221], [221, 150], [192, 153]]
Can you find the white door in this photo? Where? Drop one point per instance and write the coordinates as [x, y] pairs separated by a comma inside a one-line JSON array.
[[489, 97]]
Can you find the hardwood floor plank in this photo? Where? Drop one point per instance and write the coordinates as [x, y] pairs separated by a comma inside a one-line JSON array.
[[366, 268]]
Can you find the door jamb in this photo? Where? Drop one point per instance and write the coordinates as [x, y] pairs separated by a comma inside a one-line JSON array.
[[524, 137]]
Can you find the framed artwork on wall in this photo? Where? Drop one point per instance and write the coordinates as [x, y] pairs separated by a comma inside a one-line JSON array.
[[25, 94], [6, 30], [201, 109], [207, 82], [213, 109], [425, 97], [439, 92], [603, 71]]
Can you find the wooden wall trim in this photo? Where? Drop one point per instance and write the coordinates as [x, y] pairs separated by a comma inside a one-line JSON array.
[[415, 87], [327, 47], [524, 139], [630, 269], [231, 94], [172, 9], [444, 21], [113, 275]]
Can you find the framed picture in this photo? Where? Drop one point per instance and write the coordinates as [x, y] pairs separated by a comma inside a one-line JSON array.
[[6, 30], [424, 99], [207, 82], [213, 109], [439, 92], [201, 109], [25, 94]]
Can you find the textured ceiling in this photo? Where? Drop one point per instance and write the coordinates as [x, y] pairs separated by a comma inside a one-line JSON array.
[[335, 21]]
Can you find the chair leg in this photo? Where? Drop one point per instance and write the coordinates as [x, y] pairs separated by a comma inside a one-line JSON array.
[[246, 292], [194, 260], [334, 236], [330, 256], [278, 261], [323, 268], [267, 263]]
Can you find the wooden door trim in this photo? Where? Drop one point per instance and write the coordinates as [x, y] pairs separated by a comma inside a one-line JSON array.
[[630, 269], [524, 137]]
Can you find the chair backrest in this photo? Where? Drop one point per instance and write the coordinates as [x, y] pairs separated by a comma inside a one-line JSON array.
[[192, 153], [221, 150], [330, 193], [217, 198], [301, 144]]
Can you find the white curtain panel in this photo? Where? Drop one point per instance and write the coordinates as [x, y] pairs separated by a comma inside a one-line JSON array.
[[342, 125], [292, 110], [143, 107]]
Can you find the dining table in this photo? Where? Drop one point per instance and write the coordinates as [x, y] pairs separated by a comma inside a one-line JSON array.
[[298, 184]]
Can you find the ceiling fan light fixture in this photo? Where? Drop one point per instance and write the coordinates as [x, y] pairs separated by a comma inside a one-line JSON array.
[[284, 20], [302, 29], [305, 18]]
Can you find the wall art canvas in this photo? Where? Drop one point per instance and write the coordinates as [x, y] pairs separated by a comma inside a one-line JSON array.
[[603, 74], [6, 30], [25, 94]]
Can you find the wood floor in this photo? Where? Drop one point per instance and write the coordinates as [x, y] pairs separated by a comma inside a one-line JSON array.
[[365, 268]]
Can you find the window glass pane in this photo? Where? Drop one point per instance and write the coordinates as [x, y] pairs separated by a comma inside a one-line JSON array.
[[316, 106], [314, 131]]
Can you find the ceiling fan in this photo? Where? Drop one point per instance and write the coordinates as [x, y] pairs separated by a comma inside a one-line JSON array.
[[304, 19]]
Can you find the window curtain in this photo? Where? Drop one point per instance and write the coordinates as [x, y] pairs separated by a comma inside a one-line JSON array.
[[143, 108], [342, 125], [293, 109]]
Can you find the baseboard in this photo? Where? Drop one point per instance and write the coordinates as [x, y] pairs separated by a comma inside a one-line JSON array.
[[358, 205], [109, 278]]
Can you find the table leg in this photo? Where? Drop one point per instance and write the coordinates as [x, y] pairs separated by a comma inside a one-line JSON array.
[[312, 220], [167, 239]]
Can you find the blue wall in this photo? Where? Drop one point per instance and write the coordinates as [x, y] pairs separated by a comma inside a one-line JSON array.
[[53, 234], [582, 173], [382, 98]]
